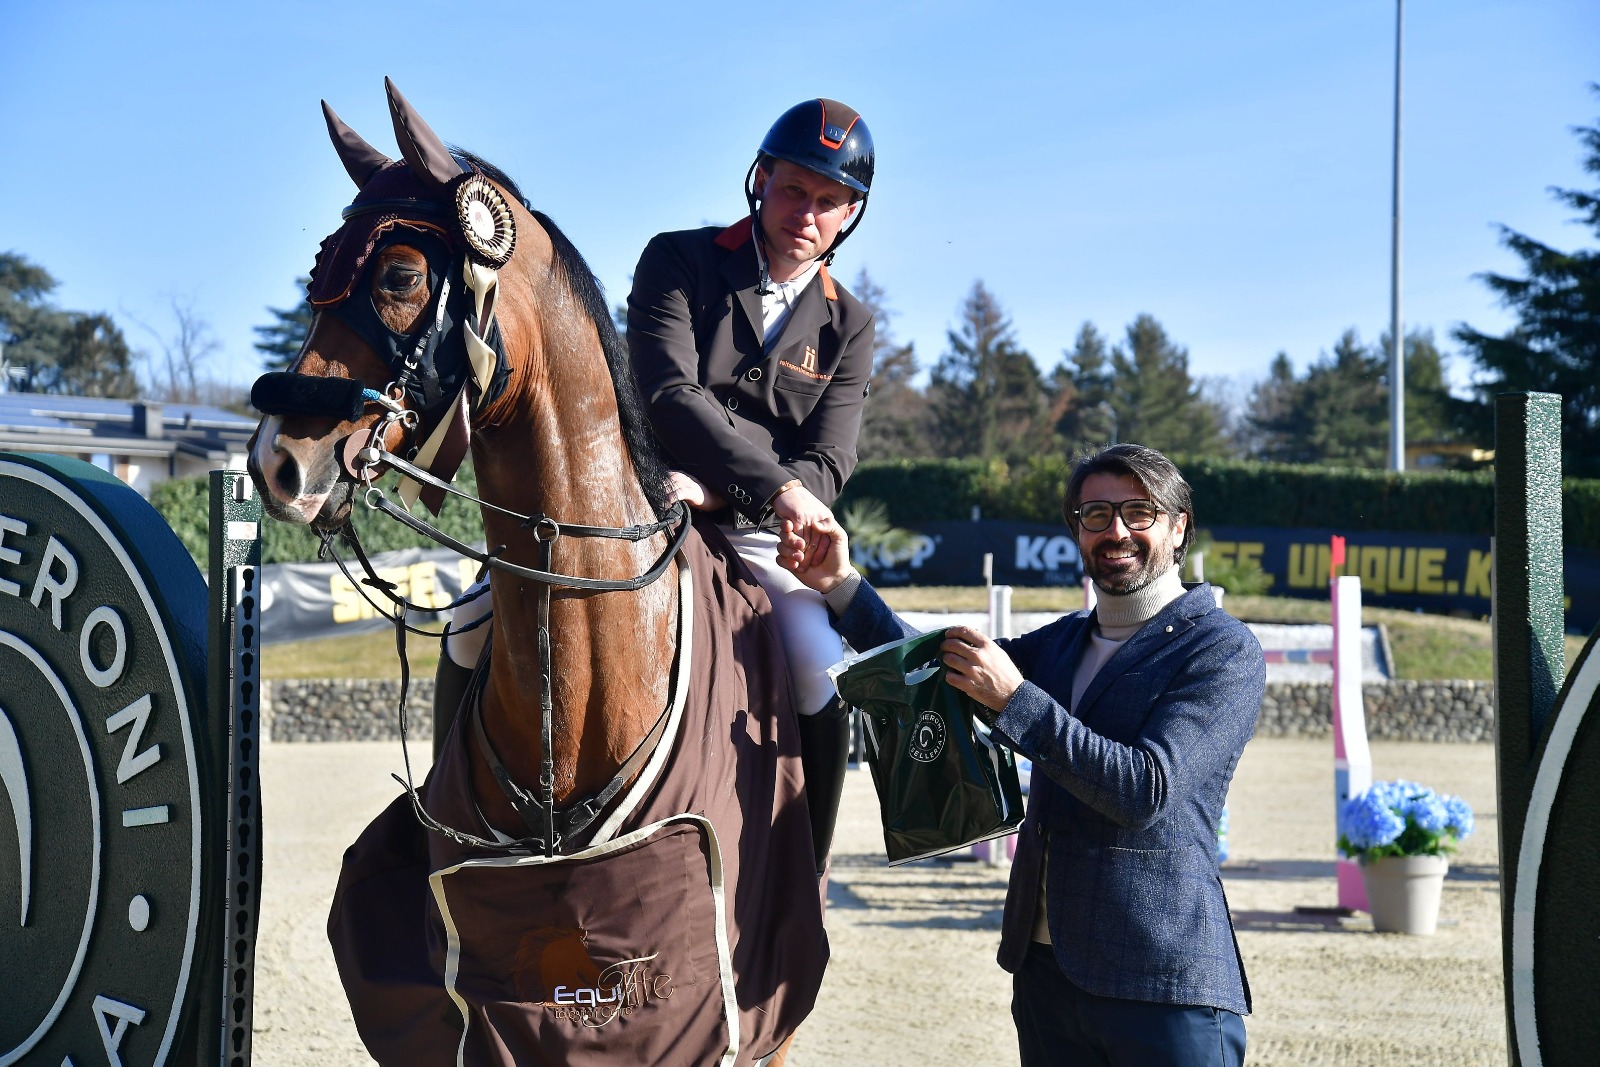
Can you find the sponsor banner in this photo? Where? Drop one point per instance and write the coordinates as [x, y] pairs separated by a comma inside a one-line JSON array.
[[951, 553], [1432, 572], [303, 601]]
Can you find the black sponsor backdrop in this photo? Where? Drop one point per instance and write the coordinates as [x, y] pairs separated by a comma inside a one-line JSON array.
[[1433, 572]]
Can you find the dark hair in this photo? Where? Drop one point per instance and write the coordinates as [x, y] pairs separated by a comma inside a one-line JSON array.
[[1158, 474]]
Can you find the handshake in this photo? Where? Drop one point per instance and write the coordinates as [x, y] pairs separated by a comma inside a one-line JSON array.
[[818, 552]]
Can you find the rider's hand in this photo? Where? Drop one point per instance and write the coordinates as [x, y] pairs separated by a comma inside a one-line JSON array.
[[819, 554], [692, 491], [798, 505]]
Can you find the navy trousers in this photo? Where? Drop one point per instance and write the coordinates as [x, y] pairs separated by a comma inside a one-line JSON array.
[[1060, 1025]]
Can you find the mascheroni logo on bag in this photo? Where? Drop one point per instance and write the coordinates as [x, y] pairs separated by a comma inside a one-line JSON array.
[[927, 738]]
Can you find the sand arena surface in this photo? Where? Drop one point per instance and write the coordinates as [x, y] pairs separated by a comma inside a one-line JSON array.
[[913, 979]]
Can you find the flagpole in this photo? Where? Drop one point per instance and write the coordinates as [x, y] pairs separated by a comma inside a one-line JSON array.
[[1397, 363]]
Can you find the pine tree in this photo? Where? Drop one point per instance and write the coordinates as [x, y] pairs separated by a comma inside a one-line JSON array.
[[1081, 410], [1156, 401], [1555, 346], [895, 423], [280, 341], [1270, 426], [987, 396], [1433, 416], [1344, 407]]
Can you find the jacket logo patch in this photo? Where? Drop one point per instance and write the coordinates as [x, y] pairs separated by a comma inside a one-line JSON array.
[[554, 968], [807, 365]]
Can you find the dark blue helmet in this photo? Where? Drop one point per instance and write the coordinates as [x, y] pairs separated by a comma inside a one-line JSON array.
[[827, 137]]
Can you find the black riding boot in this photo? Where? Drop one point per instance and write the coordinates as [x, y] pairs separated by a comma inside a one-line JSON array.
[[450, 684], [824, 748]]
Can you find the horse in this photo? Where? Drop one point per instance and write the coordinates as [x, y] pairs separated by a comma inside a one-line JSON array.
[[626, 763]]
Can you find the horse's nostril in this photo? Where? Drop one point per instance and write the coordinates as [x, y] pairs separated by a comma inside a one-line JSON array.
[[287, 476]]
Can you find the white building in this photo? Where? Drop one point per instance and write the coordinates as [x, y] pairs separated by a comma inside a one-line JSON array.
[[142, 442]]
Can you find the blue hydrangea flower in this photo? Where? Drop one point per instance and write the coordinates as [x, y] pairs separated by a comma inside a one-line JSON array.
[[1427, 810], [1460, 815], [1369, 821]]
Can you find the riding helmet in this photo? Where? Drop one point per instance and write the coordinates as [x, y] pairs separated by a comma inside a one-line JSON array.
[[827, 137]]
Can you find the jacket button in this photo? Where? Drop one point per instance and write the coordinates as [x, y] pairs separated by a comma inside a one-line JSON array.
[[733, 403], [754, 374], [1169, 629]]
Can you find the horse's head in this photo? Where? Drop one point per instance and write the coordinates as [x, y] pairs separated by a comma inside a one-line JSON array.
[[403, 294]]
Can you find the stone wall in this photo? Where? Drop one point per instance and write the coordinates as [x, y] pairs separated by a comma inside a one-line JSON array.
[[318, 709], [1395, 711], [364, 710]]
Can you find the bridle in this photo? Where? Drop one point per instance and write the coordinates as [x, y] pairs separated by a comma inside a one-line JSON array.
[[549, 828], [364, 457]]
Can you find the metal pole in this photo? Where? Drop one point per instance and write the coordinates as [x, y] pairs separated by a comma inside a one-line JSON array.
[[1397, 345]]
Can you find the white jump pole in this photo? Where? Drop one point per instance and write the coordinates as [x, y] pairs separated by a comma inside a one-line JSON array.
[[1352, 760], [998, 851]]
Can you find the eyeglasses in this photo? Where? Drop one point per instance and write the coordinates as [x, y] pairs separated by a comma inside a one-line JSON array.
[[1095, 515]]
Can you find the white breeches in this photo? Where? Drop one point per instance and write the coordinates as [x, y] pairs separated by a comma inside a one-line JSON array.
[[809, 639], [464, 647]]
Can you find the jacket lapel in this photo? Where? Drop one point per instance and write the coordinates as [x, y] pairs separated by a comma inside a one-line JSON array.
[[1169, 624], [739, 270], [811, 313]]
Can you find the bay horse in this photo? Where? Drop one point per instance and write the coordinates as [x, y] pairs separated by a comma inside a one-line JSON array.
[[624, 776]]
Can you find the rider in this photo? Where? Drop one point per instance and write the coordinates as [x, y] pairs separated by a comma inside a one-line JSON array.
[[754, 365]]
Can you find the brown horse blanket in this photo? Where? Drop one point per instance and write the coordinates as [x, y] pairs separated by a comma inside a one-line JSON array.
[[689, 931]]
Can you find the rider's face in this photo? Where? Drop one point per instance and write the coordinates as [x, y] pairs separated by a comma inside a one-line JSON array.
[[801, 214]]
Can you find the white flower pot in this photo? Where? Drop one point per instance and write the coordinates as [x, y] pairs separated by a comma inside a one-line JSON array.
[[1403, 892]]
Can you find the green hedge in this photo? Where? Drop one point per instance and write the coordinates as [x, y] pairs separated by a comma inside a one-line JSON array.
[[185, 504], [1227, 493]]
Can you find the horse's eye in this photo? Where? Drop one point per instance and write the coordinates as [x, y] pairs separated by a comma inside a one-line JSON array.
[[400, 280]]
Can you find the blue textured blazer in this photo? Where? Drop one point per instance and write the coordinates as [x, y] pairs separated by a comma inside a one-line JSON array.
[[1128, 793]]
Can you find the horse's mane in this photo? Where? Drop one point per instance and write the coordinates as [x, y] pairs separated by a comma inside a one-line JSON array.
[[637, 434]]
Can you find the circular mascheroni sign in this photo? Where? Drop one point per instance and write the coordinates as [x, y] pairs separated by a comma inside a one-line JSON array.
[[102, 653]]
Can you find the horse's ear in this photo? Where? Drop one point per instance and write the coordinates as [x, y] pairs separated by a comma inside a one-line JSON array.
[[427, 156], [360, 159]]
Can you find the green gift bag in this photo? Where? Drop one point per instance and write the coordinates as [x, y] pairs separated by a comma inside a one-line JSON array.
[[942, 782]]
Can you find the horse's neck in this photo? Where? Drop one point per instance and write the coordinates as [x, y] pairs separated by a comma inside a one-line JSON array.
[[611, 652]]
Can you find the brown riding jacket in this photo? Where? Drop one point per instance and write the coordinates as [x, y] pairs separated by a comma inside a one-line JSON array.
[[743, 418]]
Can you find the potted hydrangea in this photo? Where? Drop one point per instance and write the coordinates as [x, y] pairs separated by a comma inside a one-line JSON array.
[[1401, 832]]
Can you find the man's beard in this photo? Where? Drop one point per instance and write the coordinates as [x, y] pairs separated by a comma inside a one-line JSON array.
[[1124, 580]]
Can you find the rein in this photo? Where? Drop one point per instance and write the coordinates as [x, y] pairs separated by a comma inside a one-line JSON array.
[[537, 811]]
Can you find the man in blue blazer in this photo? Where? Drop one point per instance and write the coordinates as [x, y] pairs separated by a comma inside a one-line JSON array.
[[1134, 714]]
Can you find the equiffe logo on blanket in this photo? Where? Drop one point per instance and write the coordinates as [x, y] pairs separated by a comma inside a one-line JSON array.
[[927, 740], [554, 967]]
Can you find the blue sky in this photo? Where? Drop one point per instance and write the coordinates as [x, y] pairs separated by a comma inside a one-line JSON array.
[[1224, 167]]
